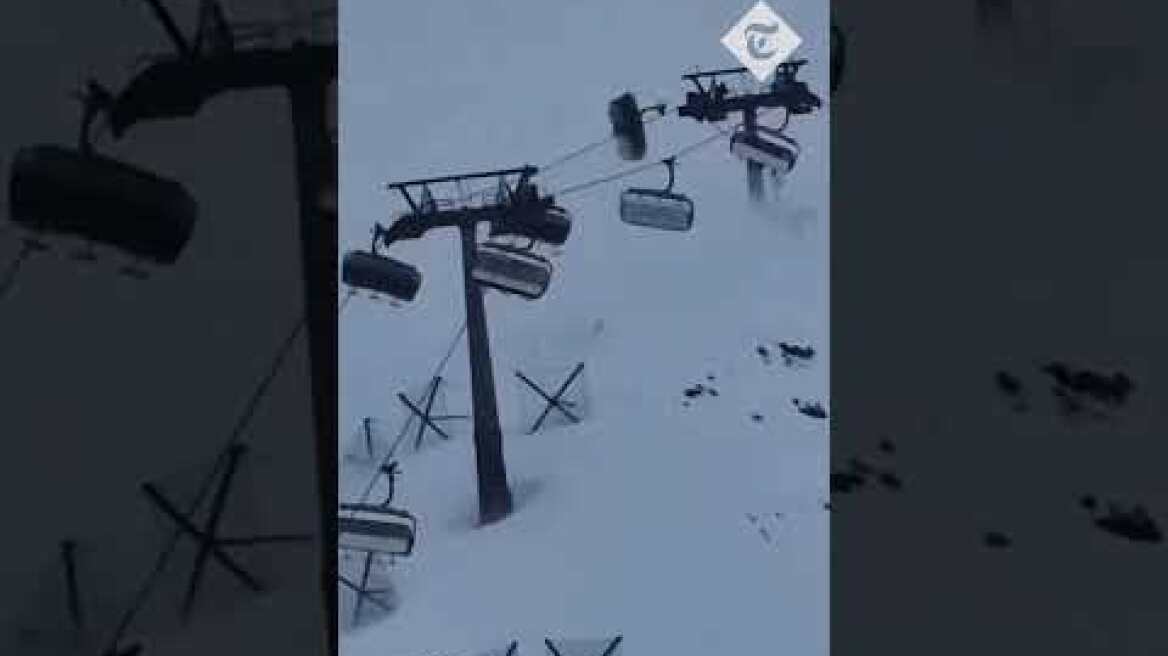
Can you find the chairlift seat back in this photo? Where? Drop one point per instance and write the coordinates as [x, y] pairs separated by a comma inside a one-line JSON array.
[[628, 127], [65, 191], [779, 154], [654, 208], [539, 220], [512, 271], [374, 529], [381, 274]]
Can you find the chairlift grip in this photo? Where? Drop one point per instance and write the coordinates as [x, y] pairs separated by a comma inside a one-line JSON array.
[[670, 163]]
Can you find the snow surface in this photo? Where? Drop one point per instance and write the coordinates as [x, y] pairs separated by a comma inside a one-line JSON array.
[[636, 521]]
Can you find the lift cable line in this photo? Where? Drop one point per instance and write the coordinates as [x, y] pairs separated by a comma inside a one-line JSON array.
[[583, 150], [569, 156], [620, 175], [364, 498], [705, 105], [235, 437]]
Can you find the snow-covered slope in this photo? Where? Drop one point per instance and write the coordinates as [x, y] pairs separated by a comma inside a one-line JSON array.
[[688, 525], [643, 533]]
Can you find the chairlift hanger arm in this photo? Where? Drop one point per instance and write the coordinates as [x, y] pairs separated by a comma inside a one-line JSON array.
[[168, 23], [407, 227], [178, 88], [416, 224], [95, 100], [670, 164]]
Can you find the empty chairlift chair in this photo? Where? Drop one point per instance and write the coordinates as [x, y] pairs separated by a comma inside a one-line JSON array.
[[512, 270], [65, 191], [628, 126], [381, 274], [770, 148], [376, 529], [662, 209]]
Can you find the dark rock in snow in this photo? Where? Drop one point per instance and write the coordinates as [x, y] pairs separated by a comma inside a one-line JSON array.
[[891, 481], [791, 352], [1121, 387], [813, 410], [764, 353], [1059, 371], [1135, 525], [699, 389], [1113, 390], [1008, 384], [756, 417], [996, 540], [1069, 405]]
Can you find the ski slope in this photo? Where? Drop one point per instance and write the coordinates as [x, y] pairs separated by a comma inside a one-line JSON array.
[[638, 520]]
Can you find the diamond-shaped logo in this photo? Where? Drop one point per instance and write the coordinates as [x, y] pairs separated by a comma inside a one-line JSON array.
[[761, 40]]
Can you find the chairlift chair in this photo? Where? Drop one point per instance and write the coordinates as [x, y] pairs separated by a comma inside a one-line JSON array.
[[376, 529], [770, 148], [60, 190], [512, 270], [628, 126], [534, 218], [662, 209], [381, 274]]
